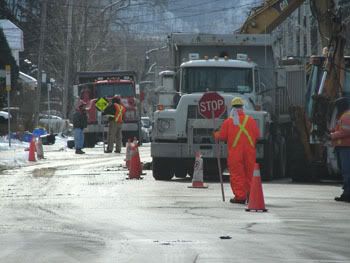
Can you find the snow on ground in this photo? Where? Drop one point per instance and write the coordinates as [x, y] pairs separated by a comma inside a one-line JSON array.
[[17, 154]]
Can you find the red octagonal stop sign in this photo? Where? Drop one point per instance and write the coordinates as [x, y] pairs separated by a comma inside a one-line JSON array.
[[211, 104]]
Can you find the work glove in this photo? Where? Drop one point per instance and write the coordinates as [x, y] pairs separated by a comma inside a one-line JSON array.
[[214, 132]]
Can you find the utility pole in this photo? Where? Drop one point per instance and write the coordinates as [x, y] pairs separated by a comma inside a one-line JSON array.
[[68, 58], [40, 59]]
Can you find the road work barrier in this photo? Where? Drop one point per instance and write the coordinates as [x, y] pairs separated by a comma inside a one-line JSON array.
[[135, 166], [31, 156], [256, 197], [197, 180], [39, 148]]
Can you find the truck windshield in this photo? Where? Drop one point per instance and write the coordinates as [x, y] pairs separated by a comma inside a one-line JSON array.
[[232, 80], [109, 90]]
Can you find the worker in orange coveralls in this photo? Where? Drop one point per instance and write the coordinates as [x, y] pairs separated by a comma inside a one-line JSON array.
[[240, 131]]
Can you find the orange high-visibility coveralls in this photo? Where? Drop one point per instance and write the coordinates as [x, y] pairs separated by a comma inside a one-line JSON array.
[[241, 158]]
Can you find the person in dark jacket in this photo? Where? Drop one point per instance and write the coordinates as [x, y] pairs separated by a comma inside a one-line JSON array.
[[79, 123]]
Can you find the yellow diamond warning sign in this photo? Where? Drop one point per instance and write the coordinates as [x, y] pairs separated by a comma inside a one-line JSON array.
[[101, 104]]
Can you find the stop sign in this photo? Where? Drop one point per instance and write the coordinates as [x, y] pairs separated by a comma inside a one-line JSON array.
[[211, 104]]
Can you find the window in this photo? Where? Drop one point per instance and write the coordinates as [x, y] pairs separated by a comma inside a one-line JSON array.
[[225, 79], [110, 90]]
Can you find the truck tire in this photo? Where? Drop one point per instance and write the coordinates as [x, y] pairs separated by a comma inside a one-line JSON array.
[[162, 169], [89, 140], [211, 169], [297, 165], [180, 171], [267, 162], [280, 158]]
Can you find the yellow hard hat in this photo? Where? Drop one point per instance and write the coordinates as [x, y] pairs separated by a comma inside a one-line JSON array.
[[237, 101]]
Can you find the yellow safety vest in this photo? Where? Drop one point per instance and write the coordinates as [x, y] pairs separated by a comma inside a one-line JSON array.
[[242, 129], [118, 113]]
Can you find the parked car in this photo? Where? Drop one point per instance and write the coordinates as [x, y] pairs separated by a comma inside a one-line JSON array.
[[4, 115], [146, 129], [55, 123]]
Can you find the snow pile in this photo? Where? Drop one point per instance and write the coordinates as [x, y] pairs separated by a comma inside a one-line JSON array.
[[13, 156], [16, 155]]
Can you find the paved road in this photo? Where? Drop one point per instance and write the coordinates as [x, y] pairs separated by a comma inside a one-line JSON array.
[[71, 208]]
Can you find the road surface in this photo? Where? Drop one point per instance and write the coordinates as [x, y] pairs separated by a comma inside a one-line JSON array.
[[81, 208]]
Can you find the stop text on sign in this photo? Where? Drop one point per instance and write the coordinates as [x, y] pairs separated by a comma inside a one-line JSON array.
[[213, 105]]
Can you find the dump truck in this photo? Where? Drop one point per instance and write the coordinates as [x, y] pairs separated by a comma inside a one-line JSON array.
[[232, 65]]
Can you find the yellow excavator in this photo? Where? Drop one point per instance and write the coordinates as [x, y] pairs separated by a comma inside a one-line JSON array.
[[327, 76]]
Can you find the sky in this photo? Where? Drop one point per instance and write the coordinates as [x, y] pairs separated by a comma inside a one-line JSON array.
[[206, 16]]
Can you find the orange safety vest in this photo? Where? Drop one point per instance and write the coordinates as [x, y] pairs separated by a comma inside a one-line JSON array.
[[119, 112], [242, 129], [341, 135]]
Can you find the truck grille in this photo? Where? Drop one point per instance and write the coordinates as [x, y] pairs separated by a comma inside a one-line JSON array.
[[193, 113], [203, 136]]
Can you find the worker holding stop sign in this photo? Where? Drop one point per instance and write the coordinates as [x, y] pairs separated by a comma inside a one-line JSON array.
[[240, 131]]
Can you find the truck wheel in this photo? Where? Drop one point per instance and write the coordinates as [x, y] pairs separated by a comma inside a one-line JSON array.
[[180, 171], [297, 163], [267, 163], [162, 169], [281, 158], [190, 168], [211, 170], [89, 140]]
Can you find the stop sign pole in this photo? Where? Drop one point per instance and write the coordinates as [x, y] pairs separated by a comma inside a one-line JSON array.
[[212, 105], [217, 150]]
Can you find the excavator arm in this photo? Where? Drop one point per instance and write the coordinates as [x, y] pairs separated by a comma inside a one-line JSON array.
[[265, 18], [331, 84]]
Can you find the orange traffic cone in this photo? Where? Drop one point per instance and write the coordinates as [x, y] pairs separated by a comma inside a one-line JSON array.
[[256, 197], [128, 156], [39, 149], [31, 156], [197, 180], [135, 168]]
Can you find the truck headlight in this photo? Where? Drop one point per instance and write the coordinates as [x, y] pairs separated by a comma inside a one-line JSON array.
[[164, 124]]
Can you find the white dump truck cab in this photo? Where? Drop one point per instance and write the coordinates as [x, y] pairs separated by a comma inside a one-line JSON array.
[[179, 133]]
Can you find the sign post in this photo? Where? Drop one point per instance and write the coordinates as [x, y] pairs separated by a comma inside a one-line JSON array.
[[101, 104], [212, 105], [8, 89]]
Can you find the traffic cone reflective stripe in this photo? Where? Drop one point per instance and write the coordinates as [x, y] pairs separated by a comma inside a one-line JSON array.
[[39, 149], [128, 155], [197, 180], [31, 156], [256, 196]]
